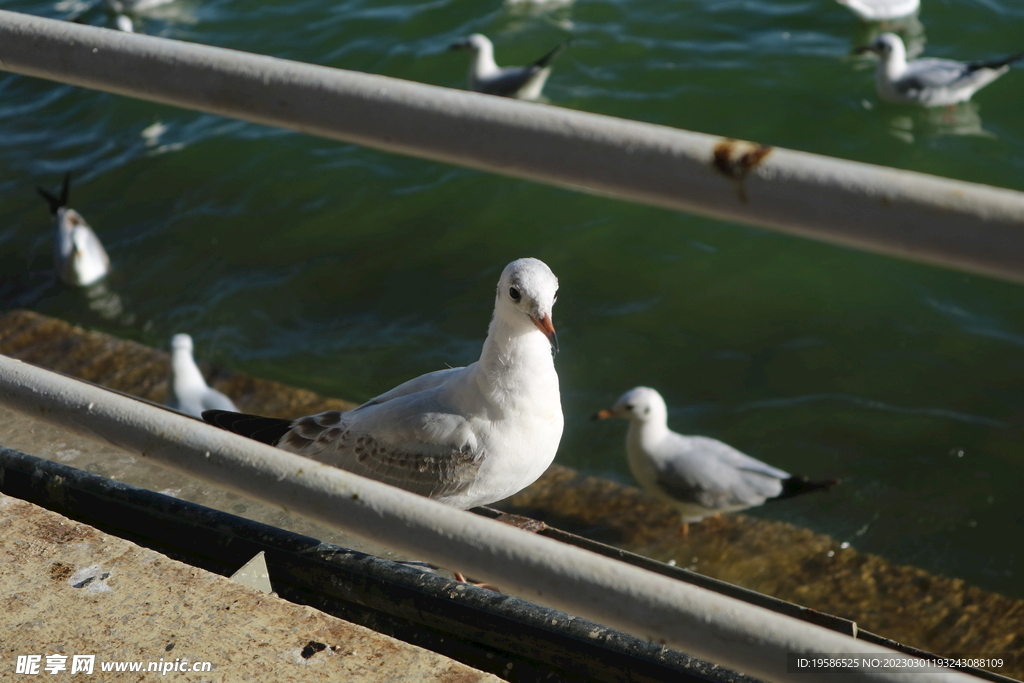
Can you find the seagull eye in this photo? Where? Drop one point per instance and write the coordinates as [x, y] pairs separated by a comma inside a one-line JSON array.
[[515, 294], [629, 407]]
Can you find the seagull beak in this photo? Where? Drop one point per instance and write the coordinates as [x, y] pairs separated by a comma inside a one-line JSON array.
[[863, 50], [545, 326], [461, 45], [602, 415]]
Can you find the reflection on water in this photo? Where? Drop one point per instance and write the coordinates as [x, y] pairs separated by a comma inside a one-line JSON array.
[[960, 119], [557, 12], [910, 29], [106, 302], [128, 15]]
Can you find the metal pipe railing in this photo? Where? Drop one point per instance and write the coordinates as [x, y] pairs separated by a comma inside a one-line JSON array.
[[961, 225], [724, 630]]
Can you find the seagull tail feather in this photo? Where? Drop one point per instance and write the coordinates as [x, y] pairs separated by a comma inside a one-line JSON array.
[[546, 59], [796, 486], [53, 201], [268, 430], [996, 63]]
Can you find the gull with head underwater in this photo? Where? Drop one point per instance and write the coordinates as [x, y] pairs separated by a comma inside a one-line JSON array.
[[519, 82], [929, 82], [463, 436], [698, 475], [881, 10], [78, 255]]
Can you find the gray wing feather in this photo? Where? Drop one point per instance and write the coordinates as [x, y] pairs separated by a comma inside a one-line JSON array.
[[510, 80], [932, 73], [426, 449], [421, 383], [715, 475]]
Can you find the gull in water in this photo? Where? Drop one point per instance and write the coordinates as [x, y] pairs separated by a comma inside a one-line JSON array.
[[700, 476], [881, 10], [78, 255], [463, 436], [520, 82], [929, 82], [187, 391]]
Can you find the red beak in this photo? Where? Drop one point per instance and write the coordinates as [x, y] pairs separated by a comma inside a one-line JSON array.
[[603, 415], [545, 326]]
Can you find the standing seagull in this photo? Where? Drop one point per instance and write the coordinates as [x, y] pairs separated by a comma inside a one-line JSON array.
[[520, 82], [881, 10], [929, 82], [463, 436], [78, 255], [699, 476], [187, 391]]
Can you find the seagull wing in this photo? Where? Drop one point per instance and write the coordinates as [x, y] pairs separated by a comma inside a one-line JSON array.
[[89, 246], [509, 80], [924, 74], [417, 384], [713, 474], [414, 441]]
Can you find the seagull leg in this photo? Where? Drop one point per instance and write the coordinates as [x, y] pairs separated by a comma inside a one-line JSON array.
[[459, 576], [684, 530]]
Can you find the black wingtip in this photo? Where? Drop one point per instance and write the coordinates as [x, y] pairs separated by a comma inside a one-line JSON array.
[[546, 59], [268, 430], [797, 486], [996, 63]]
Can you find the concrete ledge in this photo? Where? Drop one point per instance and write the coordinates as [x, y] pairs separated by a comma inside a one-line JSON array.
[[70, 589]]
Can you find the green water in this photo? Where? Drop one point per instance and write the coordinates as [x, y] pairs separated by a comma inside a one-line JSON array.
[[346, 271]]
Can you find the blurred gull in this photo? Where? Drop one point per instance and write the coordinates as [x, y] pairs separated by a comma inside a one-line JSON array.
[[187, 391], [881, 10], [463, 436], [78, 255], [929, 82], [520, 82], [127, 12], [699, 476]]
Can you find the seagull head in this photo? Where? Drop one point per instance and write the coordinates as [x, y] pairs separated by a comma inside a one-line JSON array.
[[640, 404], [528, 290], [887, 46], [181, 342], [477, 42]]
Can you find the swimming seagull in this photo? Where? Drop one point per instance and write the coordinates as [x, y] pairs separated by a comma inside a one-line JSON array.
[[698, 475], [929, 82], [187, 391], [463, 436], [78, 255], [881, 10], [520, 82]]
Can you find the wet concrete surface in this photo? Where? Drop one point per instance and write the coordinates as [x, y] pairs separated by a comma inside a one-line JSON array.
[[934, 613]]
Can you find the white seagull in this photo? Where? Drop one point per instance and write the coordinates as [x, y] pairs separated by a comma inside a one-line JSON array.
[[78, 255], [929, 82], [187, 391], [698, 475], [881, 10], [520, 82], [463, 436]]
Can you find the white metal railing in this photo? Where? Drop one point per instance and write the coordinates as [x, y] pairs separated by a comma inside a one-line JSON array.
[[962, 225], [724, 630]]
